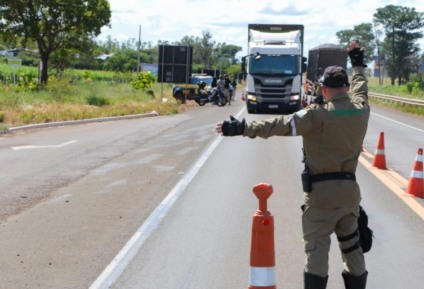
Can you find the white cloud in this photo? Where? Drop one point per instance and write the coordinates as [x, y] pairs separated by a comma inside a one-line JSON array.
[[227, 20]]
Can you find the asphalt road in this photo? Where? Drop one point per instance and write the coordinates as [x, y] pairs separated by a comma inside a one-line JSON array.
[[75, 200]]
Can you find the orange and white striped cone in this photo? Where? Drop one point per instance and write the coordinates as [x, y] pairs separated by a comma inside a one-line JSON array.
[[379, 157], [416, 181], [262, 253]]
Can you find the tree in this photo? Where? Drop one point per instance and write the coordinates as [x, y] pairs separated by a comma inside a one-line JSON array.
[[205, 49], [401, 26], [230, 51], [62, 57], [362, 33], [53, 25]]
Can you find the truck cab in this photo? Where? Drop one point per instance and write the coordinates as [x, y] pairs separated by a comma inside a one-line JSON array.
[[274, 67], [190, 91]]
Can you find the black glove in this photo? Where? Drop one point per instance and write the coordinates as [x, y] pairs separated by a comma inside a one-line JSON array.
[[233, 127], [356, 56]]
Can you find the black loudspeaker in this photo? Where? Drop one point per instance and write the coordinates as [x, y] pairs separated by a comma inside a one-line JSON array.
[[175, 63]]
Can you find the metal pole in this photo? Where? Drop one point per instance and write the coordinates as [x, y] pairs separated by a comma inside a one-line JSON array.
[[138, 50], [163, 68]]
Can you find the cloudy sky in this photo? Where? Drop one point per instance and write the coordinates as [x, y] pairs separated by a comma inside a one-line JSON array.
[[227, 20]]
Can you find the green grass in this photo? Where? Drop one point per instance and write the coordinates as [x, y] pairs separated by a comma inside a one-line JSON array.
[[386, 88], [67, 99], [402, 90]]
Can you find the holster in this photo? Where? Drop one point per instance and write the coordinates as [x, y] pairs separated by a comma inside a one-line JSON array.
[[306, 181]]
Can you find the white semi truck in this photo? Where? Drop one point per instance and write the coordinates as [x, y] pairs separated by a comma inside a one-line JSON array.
[[274, 67]]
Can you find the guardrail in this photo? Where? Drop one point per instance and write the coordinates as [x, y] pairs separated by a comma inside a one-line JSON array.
[[398, 99]]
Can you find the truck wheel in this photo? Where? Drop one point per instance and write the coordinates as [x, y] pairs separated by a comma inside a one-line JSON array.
[[250, 110], [180, 97]]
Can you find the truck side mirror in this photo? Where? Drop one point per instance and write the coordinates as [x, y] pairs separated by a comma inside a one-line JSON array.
[[304, 64]]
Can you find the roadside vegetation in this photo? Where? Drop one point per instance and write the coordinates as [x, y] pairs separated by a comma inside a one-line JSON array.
[[79, 94], [413, 89]]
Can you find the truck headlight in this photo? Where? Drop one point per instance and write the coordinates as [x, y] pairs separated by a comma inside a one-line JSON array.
[[251, 97], [294, 97]]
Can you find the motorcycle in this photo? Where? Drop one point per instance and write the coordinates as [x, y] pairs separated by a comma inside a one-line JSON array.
[[213, 95]]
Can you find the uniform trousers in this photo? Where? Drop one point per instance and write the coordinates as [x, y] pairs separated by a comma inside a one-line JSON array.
[[318, 224]]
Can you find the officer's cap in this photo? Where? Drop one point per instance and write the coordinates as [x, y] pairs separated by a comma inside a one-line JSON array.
[[334, 76]]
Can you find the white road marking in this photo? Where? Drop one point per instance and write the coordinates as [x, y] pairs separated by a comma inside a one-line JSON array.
[[128, 252], [397, 122], [28, 147]]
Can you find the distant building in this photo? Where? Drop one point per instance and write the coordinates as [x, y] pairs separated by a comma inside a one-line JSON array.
[[379, 67], [10, 52], [104, 56], [153, 68]]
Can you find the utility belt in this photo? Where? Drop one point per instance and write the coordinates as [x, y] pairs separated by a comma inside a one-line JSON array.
[[308, 179]]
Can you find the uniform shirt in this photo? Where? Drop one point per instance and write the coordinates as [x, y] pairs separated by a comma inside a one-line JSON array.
[[332, 133]]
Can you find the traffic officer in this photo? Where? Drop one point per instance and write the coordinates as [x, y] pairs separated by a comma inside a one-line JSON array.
[[332, 131]]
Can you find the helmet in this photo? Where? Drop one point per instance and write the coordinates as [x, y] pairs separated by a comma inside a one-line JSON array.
[[201, 84]]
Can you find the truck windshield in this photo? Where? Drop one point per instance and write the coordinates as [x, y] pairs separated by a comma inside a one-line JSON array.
[[284, 65]]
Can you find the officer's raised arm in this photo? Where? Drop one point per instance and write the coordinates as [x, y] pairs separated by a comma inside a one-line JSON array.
[[359, 84]]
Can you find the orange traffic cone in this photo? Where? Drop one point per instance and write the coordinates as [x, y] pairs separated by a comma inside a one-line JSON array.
[[416, 181], [243, 98], [379, 158], [262, 254]]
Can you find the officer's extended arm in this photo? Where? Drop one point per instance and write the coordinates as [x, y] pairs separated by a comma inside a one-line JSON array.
[[264, 128]]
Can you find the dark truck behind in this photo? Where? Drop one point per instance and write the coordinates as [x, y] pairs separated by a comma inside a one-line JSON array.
[[320, 58]]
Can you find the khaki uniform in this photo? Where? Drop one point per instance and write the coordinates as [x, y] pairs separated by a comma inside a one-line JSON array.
[[332, 133]]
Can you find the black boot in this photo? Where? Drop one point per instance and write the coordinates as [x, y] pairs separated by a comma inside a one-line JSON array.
[[312, 281], [353, 282]]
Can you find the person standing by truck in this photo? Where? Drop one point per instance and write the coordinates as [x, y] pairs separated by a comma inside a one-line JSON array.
[[227, 92], [332, 132]]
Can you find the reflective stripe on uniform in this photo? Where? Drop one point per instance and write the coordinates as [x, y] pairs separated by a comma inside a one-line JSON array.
[[293, 126], [262, 276]]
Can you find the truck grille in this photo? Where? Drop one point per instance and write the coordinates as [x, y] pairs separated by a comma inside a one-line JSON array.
[[274, 93]]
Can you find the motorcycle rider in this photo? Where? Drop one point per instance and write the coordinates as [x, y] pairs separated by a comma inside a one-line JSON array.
[[212, 95]]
